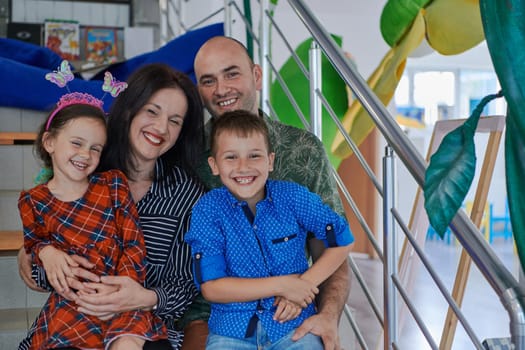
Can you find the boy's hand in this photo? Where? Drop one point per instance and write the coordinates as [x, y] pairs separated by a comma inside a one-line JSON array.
[[298, 291], [57, 265], [286, 310]]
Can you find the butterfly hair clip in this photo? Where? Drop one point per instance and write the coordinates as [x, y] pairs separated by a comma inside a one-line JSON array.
[[64, 75], [113, 86]]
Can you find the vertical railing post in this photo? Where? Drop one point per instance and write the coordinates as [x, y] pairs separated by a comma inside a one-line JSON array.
[[227, 18], [316, 106], [264, 36], [182, 18], [389, 249]]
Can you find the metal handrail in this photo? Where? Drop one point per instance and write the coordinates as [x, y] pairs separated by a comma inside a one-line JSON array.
[[501, 280], [441, 286]]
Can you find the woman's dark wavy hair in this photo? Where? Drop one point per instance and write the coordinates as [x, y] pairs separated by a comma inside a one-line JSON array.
[[142, 85]]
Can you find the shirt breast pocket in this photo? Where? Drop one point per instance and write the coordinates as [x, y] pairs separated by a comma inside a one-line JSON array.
[[159, 235], [284, 239], [284, 250]]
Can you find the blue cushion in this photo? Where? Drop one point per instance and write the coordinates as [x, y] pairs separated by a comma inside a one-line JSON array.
[[23, 67]]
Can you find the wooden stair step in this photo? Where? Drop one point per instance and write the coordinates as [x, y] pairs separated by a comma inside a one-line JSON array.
[[11, 240], [17, 138]]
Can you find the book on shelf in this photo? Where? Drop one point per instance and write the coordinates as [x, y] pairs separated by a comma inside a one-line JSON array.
[[101, 45], [63, 37]]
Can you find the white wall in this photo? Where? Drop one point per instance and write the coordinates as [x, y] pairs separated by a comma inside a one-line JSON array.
[[356, 21], [87, 13]]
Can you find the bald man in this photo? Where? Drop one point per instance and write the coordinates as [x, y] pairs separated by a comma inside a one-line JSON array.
[[228, 79]]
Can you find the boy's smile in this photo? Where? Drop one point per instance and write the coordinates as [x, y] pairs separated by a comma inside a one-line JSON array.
[[243, 164]]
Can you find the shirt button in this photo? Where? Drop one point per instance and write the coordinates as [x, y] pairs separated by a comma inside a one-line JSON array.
[[197, 256], [260, 311], [255, 227], [286, 239]]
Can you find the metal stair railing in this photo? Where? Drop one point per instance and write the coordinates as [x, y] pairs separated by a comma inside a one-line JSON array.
[[511, 294], [501, 280]]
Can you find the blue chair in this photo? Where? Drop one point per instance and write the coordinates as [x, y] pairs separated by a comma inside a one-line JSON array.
[[432, 235], [500, 225]]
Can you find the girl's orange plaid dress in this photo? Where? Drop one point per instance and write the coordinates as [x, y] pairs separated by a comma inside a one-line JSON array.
[[103, 227]]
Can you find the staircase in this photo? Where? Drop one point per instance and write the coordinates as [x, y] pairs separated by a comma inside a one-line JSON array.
[[18, 304]]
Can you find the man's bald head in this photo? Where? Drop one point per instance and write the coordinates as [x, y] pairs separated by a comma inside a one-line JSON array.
[[227, 78]]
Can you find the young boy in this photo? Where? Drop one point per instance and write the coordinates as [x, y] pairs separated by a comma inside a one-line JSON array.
[[248, 243]]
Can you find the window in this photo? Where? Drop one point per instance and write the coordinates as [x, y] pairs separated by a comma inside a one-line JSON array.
[[446, 94]]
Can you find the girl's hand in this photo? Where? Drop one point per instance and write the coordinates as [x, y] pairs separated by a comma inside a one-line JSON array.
[[58, 266], [286, 310]]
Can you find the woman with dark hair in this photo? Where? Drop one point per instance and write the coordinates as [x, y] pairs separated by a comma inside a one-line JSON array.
[[154, 138], [142, 85]]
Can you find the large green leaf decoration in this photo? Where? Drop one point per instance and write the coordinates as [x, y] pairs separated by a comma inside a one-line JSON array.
[[448, 177], [515, 172], [504, 26], [397, 17], [451, 170]]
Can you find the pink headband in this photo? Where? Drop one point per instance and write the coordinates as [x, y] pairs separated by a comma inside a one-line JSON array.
[[63, 75], [72, 99]]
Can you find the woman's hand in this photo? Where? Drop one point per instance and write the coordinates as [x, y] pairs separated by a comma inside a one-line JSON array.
[[81, 273], [25, 270], [115, 294]]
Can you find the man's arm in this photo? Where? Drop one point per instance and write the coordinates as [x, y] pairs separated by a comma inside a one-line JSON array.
[[333, 294]]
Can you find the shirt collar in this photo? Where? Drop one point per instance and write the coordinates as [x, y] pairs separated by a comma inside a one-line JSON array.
[[157, 188], [235, 202]]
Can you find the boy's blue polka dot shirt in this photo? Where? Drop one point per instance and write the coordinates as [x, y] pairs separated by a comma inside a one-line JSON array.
[[225, 243]]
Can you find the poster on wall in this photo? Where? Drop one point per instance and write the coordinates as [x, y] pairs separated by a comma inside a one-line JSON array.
[[101, 45], [63, 38]]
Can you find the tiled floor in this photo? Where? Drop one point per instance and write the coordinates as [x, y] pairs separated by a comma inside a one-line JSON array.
[[481, 307]]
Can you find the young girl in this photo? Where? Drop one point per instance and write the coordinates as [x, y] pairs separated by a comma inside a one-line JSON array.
[[90, 215]]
